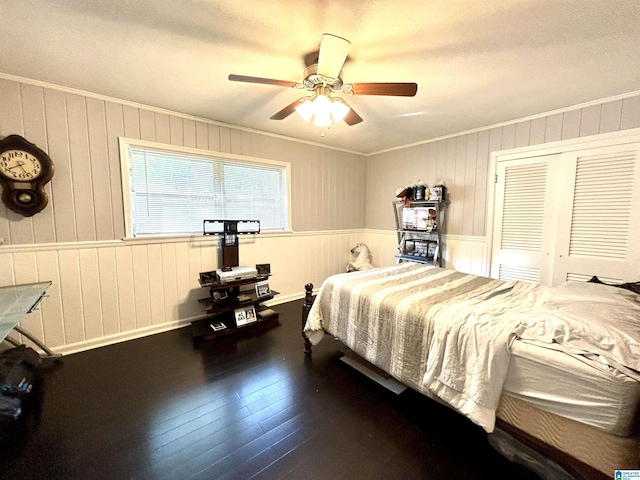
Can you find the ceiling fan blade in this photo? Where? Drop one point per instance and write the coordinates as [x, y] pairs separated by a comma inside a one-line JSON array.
[[391, 89], [333, 53], [266, 81], [286, 111], [351, 118]]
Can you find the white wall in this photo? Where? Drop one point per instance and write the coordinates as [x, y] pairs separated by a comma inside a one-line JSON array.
[[108, 289], [104, 292], [462, 162]]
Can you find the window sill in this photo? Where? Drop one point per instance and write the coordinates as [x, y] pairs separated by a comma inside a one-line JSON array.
[[151, 239]]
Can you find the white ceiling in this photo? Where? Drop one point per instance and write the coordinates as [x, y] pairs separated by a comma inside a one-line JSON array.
[[476, 63]]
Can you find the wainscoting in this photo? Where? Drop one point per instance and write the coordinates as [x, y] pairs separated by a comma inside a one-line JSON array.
[[106, 292], [463, 253]]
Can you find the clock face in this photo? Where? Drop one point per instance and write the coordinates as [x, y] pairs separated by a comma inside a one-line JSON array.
[[19, 166]]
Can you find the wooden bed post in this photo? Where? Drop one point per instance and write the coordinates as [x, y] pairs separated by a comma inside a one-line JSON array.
[[306, 306]]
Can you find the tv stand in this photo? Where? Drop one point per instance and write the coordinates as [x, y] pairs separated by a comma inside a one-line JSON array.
[[225, 303]]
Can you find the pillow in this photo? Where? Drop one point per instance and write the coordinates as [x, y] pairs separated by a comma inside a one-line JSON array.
[[633, 286], [592, 292]]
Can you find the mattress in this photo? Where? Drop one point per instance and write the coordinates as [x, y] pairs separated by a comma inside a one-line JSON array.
[[565, 386]]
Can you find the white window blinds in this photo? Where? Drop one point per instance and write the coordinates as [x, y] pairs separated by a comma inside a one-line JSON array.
[[171, 193]]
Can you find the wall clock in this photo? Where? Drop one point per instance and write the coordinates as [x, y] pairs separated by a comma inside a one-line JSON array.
[[24, 171]]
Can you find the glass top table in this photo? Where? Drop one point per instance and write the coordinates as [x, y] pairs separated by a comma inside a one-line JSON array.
[[16, 301]]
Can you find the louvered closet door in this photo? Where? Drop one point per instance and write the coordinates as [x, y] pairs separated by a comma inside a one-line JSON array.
[[525, 213], [598, 234]]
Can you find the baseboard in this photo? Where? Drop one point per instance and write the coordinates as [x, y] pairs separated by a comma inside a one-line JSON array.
[[143, 332]]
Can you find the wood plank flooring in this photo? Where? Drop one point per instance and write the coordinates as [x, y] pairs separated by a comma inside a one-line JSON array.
[[238, 407]]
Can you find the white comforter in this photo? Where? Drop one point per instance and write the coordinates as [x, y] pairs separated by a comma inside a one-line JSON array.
[[593, 322], [448, 334]]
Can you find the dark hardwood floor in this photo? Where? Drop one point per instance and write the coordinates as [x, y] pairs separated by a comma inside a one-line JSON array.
[[238, 407]]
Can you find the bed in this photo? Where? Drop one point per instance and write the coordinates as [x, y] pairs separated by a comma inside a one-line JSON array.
[[555, 368]]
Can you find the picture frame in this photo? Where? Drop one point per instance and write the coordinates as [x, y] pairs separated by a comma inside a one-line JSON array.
[[438, 193], [217, 326], [263, 269], [208, 278], [263, 289], [219, 296], [245, 315]]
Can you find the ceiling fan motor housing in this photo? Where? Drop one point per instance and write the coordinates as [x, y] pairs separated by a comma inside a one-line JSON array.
[[312, 79]]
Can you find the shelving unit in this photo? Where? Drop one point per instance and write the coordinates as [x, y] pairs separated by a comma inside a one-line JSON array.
[[419, 229], [224, 300]]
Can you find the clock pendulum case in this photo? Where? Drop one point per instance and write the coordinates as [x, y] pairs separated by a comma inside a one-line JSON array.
[[24, 171]]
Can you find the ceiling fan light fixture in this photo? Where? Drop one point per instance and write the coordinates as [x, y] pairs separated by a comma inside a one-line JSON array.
[[322, 105], [305, 109], [322, 109], [322, 120], [339, 110]]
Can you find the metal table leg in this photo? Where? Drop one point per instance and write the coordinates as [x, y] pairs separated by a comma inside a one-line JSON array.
[[46, 350]]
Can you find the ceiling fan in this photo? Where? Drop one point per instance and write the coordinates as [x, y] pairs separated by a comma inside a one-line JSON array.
[[323, 79]]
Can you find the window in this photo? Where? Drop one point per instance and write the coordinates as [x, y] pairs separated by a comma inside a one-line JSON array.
[[170, 190]]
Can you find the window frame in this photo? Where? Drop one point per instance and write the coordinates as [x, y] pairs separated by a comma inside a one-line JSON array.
[[125, 170]]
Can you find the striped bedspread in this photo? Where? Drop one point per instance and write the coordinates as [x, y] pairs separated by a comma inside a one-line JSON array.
[[441, 332]]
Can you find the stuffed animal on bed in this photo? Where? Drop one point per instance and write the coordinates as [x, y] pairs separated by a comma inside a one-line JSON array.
[[361, 258]]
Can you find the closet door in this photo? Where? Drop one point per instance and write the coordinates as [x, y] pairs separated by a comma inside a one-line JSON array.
[[597, 231], [525, 218], [568, 216]]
